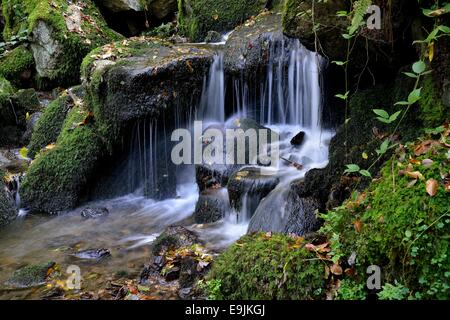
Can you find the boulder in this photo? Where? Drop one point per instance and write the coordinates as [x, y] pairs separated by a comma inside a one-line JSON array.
[[197, 17], [213, 37], [174, 238], [285, 211], [249, 46], [8, 210], [61, 35], [121, 5], [17, 65], [50, 124], [92, 254], [162, 8], [298, 139], [250, 186], [212, 206], [30, 276], [94, 213]]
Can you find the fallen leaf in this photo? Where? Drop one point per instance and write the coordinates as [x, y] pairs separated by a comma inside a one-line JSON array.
[[427, 163], [358, 226], [432, 187], [414, 175], [336, 269]]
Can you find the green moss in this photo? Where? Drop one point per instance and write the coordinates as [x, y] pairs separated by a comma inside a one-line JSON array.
[[197, 17], [403, 230], [7, 209], [268, 267], [73, 46], [15, 62], [49, 125], [432, 111], [351, 290], [55, 180], [30, 276]]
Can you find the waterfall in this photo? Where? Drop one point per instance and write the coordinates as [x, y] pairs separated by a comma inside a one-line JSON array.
[[212, 104]]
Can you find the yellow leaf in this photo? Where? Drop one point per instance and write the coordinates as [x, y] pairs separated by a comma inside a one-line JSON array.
[[24, 152], [432, 187], [431, 51], [27, 117], [365, 156], [50, 146]]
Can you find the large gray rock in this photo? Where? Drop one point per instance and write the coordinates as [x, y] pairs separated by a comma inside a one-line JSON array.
[[212, 206], [122, 5], [284, 211], [162, 8], [46, 49], [8, 211]]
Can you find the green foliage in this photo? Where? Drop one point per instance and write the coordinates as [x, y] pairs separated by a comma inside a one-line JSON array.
[[393, 292], [197, 17], [359, 11], [211, 288], [431, 109], [351, 290], [274, 266], [403, 228], [13, 63]]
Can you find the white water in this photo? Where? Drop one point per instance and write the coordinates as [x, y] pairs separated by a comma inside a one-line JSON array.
[[289, 102]]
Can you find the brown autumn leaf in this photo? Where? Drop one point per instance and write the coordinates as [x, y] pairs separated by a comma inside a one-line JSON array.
[[336, 269], [414, 175], [358, 225], [432, 187], [424, 147]]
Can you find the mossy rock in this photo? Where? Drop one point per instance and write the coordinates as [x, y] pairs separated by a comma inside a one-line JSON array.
[[61, 35], [197, 17], [174, 238], [30, 276], [58, 177], [8, 211], [50, 124], [266, 267], [17, 65], [432, 110], [401, 227]]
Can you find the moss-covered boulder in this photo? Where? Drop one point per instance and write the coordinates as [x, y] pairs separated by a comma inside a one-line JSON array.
[[266, 267], [61, 34], [8, 211], [17, 65], [401, 221], [197, 17], [58, 177], [50, 124], [30, 276]]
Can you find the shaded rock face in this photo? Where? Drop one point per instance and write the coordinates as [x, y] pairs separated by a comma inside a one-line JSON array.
[[297, 214], [46, 49], [197, 17], [121, 5], [248, 187], [162, 8], [247, 50], [8, 210], [212, 206]]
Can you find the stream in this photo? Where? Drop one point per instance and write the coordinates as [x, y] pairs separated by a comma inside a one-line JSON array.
[[289, 102]]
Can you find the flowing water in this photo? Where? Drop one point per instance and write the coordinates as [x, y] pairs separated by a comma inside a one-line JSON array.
[[288, 101]]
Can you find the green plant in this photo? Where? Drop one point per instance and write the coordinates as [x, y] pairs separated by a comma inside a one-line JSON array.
[[211, 288], [393, 292]]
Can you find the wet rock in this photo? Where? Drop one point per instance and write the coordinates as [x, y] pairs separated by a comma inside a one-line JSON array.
[[172, 274], [189, 272], [31, 124], [174, 238], [250, 183], [298, 139], [211, 206], [30, 276], [285, 211], [8, 210], [92, 254], [213, 37], [94, 213], [248, 48], [197, 17]]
